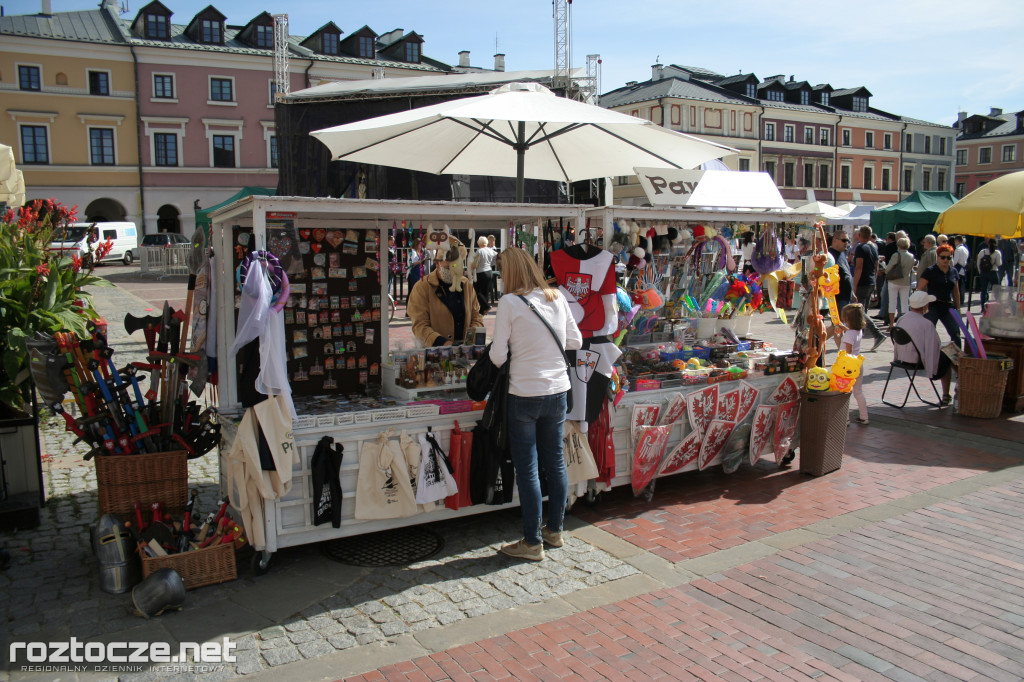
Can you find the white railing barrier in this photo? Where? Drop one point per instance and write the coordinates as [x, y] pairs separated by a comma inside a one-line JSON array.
[[164, 260]]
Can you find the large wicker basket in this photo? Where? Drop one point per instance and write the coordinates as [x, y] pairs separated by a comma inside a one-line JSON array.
[[146, 478], [980, 385], [198, 567], [823, 419]]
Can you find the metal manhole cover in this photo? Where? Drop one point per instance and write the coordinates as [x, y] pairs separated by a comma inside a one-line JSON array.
[[396, 547]]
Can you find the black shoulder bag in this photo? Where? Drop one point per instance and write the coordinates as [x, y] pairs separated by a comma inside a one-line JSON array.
[[558, 342]]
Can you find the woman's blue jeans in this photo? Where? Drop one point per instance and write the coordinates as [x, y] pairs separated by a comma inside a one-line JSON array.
[[941, 312], [535, 436]]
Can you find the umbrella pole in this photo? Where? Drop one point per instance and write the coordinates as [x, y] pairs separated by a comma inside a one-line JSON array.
[[520, 147]]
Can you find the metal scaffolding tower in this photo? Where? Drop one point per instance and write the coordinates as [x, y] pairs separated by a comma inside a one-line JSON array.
[[590, 86], [282, 83], [562, 10]]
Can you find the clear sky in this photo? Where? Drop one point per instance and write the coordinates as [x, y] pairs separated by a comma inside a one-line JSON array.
[[926, 59]]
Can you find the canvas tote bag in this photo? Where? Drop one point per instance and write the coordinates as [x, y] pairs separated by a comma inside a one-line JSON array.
[[383, 490]]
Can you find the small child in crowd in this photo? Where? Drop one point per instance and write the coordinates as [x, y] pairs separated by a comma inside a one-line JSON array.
[[855, 321]]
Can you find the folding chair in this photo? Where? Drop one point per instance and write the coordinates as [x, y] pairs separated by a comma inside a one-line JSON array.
[[900, 337]]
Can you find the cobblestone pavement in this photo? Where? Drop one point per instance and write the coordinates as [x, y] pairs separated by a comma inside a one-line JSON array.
[[52, 590]]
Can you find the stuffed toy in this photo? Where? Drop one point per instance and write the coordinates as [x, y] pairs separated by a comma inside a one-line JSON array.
[[818, 379], [845, 372], [457, 257], [828, 286], [636, 260], [437, 240]]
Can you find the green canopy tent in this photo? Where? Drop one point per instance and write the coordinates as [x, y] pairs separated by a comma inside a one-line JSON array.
[[916, 214], [203, 214]]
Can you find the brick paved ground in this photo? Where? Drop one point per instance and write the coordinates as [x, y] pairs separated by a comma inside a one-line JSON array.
[[934, 594], [901, 565]]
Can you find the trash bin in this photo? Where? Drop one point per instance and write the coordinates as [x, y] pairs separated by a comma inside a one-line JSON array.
[[21, 472], [980, 386], [822, 431]]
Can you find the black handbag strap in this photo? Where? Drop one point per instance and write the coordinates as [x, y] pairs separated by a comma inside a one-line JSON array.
[[558, 342]]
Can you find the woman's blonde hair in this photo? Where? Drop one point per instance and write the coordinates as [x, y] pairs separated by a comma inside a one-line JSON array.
[[902, 243], [481, 241], [520, 274]]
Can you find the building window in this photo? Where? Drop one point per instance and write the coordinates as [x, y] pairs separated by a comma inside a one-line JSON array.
[[860, 104], [157, 27], [869, 177], [788, 134], [984, 154], [961, 157], [273, 92], [824, 99], [769, 131], [1009, 153], [844, 177], [752, 90], [330, 43], [808, 175], [788, 169], [926, 180], [927, 144], [775, 96], [824, 136], [940, 180], [212, 32], [165, 149], [805, 97], [223, 151], [101, 146], [99, 83], [273, 152], [34, 147], [886, 178], [961, 189], [412, 52], [366, 47], [908, 144], [265, 36], [808, 135], [769, 168], [908, 179], [942, 146], [29, 78], [824, 175], [846, 138], [221, 90], [163, 86], [744, 164], [869, 140], [887, 141]]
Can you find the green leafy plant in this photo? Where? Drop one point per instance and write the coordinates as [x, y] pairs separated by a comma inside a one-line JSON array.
[[40, 289]]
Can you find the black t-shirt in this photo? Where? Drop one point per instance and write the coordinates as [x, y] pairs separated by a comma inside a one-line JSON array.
[[869, 255], [940, 284], [845, 276]]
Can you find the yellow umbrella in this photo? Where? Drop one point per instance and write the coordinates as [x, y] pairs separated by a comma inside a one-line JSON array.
[[995, 208]]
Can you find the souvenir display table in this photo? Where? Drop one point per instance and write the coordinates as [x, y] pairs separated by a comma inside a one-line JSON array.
[[348, 383]]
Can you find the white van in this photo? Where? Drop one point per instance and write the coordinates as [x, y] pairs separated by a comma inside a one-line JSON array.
[[124, 237]]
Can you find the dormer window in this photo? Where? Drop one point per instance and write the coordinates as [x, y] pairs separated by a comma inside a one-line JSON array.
[[412, 52], [330, 43], [805, 97], [263, 36], [366, 46], [212, 32], [752, 90], [158, 27], [775, 95], [824, 99], [860, 103]]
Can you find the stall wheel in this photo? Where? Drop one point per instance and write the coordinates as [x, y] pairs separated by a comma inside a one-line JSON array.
[[790, 456], [260, 562]]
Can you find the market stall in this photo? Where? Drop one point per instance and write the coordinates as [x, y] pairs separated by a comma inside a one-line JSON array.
[[362, 399]]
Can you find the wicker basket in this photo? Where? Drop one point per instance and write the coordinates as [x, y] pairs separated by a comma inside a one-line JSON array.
[[822, 431], [197, 567], [121, 481], [981, 384]]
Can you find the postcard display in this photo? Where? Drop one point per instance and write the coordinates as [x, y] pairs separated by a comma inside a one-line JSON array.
[[331, 250]]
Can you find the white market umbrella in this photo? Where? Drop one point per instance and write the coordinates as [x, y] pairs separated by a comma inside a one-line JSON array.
[[520, 130], [820, 208]]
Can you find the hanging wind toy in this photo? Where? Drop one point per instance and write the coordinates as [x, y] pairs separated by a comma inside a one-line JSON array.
[[645, 289]]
